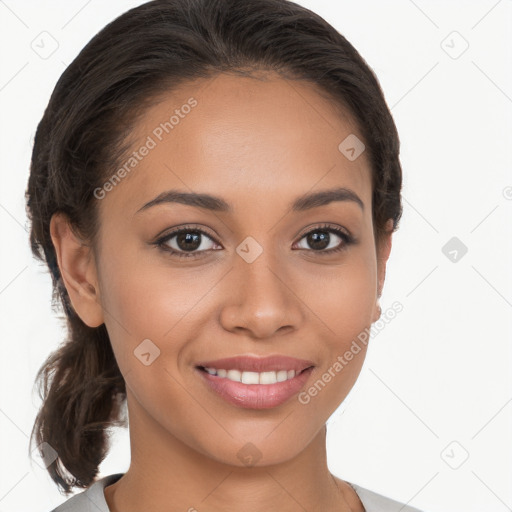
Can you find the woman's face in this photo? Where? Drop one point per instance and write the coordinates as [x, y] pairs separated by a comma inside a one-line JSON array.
[[264, 279]]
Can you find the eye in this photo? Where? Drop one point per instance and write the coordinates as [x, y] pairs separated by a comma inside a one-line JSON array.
[[189, 241], [320, 238]]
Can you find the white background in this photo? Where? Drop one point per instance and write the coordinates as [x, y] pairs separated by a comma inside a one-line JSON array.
[[441, 370]]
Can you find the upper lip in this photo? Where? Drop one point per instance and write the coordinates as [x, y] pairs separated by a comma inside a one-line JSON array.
[[258, 364]]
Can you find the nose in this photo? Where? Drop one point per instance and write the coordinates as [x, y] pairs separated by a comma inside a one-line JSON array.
[[259, 299]]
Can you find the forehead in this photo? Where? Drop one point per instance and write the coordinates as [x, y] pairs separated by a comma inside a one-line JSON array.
[[243, 138]]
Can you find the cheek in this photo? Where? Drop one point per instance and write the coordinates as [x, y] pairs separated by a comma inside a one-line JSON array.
[[148, 299], [149, 317], [342, 350], [343, 297], [144, 293], [344, 304]]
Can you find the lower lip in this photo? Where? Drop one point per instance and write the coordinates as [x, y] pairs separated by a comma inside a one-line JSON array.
[[256, 396]]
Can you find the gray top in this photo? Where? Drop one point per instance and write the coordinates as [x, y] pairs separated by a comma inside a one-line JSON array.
[[92, 499]]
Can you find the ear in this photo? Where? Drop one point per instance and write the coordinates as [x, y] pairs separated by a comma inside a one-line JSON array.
[[383, 251], [78, 270]]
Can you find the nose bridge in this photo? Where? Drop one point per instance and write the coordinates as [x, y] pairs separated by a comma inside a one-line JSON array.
[[260, 300], [258, 273]]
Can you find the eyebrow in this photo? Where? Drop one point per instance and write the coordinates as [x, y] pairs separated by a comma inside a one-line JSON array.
[[217, 204]]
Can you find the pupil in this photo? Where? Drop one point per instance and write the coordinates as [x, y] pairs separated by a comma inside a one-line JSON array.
[[319, 241], [188, 242]]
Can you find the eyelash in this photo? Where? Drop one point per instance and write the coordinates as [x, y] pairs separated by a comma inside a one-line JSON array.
[[347, 240]]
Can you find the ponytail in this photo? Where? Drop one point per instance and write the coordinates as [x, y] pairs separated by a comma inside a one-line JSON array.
[[82, 391]]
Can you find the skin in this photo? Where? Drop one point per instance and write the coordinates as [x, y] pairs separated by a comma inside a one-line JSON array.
[[258, 144]]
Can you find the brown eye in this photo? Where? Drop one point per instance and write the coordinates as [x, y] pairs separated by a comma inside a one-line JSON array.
[[321, 240], [186, 242]]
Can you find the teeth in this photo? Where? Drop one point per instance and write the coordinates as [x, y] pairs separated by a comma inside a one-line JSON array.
[[282, 375], [250, 377], [268, 378], [253, 377], [234, 375]]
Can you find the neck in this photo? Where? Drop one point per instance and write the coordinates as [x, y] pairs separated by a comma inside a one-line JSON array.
[[166, 474]]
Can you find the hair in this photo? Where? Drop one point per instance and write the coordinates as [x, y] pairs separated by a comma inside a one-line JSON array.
[[85, 133]]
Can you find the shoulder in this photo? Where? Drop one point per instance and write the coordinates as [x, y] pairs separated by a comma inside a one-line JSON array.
[[374, 502], [91, 499]]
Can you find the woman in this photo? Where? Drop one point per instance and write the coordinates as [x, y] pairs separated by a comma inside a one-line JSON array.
[[214, 186]]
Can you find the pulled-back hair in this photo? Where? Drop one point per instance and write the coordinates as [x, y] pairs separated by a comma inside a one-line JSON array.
[[85, 132]]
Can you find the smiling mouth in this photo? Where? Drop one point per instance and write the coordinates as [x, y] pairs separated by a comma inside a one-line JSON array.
[[255, 390], [250, 377]]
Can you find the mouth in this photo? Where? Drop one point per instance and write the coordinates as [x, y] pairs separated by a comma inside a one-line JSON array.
[[249, 363], [256, 383], [251, 378]]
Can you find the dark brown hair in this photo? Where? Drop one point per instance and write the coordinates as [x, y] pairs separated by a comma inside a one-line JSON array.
[[85, 133]]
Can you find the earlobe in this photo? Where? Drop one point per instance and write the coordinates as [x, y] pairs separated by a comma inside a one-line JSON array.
[[78, 270]]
